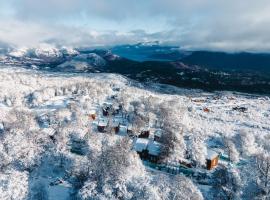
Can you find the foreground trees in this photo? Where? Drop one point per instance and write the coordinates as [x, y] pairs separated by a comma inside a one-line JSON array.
[[177, 187], [226, 184]]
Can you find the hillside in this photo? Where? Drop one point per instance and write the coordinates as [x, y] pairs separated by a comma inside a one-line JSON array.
[[54, 145]]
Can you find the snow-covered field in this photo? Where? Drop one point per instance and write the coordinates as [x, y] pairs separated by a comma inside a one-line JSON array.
[[44, 123]]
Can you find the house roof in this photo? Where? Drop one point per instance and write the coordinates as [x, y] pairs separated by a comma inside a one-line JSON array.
[[140, 144], [115, 123], [48, 131], [211, 154], [91, 112], [154, 148], [103, 123], [158, 132]]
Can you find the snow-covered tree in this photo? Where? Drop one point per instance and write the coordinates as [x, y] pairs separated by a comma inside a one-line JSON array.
[[197, 151], [177, 187], [112, 173], [262, 163], [231, 150], [245, 142], [226, 184]]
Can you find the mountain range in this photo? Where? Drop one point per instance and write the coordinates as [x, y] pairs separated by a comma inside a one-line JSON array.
[[153, 62]]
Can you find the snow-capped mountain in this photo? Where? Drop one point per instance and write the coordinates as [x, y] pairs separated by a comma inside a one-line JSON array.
[[153, 63]]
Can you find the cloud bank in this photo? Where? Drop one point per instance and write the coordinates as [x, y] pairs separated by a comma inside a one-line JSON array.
[[227, 25]]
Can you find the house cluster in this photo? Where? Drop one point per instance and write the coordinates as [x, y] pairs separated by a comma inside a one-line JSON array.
[[147, 143]]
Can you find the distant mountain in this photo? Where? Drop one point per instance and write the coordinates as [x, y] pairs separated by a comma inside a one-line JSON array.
[[149, 52], [150, 62], [229, 61]]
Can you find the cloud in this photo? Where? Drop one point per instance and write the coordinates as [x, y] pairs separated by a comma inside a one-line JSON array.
[[229, 25]]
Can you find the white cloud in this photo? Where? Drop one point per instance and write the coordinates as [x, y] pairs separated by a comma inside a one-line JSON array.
[[211, 24]]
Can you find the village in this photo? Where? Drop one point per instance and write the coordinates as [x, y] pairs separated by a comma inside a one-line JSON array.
[[110, 118], [79, 131]]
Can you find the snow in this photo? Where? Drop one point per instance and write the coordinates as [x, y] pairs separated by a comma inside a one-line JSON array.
[[104, 122], [47, 51], [141, 144], [154, 148], [211, 154], [20, 52], [68, 99], [48, 131]]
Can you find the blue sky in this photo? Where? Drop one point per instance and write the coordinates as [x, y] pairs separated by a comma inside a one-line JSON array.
[[229, 25]]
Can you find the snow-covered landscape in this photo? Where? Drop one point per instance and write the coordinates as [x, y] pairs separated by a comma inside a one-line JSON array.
[[134, 100], [70, 136]]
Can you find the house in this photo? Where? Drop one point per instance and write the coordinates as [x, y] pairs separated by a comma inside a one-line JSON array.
[[116, 126], [147, 149], [211, 159], [92, 114], [206, 110], [140, 146], [154, 149], [157, 134], [102, 125]]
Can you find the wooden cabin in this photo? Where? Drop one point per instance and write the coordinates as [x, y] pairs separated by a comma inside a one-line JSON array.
[[116, 126], [211, 159], [154, 149], [102, 125], [157, 134], [92, 115], [147, 149], [206, 110]]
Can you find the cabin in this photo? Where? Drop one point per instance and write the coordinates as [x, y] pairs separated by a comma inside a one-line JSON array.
[[211, 159], [140, 146], [157, 134], [102, 126], [147, 149], [206, 110], [154, 149], [92, 114], [116, 126]]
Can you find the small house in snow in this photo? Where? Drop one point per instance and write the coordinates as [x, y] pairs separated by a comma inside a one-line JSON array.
[[157, 134], [140, 146], [116, 126], [154, 149], [147, 149], [102, 125], [92, 114], [211, 159]]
